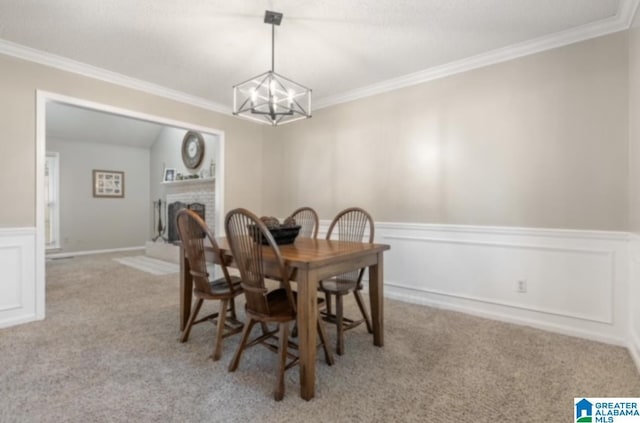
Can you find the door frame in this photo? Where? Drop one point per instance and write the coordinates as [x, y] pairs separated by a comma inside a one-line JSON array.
[[45, 97]]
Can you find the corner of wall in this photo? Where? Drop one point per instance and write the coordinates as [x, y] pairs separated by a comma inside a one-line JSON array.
[[634, 349]]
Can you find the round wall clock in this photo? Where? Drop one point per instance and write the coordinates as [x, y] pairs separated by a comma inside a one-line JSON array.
[[192, 149]]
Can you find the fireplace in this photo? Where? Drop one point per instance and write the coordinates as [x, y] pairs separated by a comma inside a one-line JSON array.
[[172, 213], [196, 194]]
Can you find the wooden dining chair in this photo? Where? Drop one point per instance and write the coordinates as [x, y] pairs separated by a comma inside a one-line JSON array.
[[307, 218], [245, 233], [193, 231], [350, 225]]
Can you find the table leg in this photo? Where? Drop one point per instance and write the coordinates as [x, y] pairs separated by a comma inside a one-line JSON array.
[[376, 298], [307, 332], [186, 289]]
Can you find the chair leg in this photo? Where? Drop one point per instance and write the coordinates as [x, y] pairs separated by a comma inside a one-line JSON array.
[[222, 315], [245, 336], [282, 360], [339, 326], [192, 318], [327, 299], [265, 327], [232, 308], [363, 310], [328, 356]]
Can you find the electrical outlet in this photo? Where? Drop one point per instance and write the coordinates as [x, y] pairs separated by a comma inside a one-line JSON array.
[[522, 286]]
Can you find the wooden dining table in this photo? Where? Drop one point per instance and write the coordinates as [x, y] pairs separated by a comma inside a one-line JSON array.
[[310, 260]]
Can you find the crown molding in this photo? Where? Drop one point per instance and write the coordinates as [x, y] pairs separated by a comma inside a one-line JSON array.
[[621, 21], [32, 55]]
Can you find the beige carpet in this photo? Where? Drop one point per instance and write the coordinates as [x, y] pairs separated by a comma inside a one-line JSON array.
[[108, 352]]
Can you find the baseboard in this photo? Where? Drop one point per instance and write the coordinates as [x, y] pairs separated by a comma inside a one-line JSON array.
[[19, 320], [634, 349], [504, 316], [91, 252]]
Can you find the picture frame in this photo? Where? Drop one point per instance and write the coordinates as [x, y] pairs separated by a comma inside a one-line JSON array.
[[169, 175], [108, 183]]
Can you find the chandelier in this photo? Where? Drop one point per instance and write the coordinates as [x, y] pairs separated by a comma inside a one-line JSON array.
[[269, 96]]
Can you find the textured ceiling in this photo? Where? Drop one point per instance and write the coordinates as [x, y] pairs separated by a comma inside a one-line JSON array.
[[202, 48]]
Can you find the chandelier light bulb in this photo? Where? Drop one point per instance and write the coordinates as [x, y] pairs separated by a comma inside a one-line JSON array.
[[290, 98]]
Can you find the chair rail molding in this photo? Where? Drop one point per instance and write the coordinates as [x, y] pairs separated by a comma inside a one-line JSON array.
[[18, 287]]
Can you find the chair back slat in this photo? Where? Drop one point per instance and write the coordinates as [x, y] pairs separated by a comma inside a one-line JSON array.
[[245, 233], [307, 218], [352, 225]]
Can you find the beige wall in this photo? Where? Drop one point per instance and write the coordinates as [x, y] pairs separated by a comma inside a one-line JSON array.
[[88, 223], [634, 181], [634, 130], [539, 141], [18, 85]]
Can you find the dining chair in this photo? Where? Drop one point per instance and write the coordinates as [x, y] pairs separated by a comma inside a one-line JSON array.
[[246, 233], [350, 225], [193, 231], [307, 218]]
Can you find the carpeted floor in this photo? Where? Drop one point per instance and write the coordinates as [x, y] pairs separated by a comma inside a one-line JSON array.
[[108, 352]]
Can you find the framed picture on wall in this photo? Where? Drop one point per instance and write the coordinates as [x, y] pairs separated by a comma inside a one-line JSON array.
[[169, 175], [108, 184]]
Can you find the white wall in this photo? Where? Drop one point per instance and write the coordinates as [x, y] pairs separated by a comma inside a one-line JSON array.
[[576, 281], [167, 152], [88, 223], [17, 290]]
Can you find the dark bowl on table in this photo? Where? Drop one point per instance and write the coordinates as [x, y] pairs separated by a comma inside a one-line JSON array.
[[282, 235]]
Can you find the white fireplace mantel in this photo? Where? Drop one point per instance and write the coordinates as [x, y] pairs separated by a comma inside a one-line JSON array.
[[191, 182]]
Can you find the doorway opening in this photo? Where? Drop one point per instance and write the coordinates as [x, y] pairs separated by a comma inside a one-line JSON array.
[[46, 216], [52, 201]]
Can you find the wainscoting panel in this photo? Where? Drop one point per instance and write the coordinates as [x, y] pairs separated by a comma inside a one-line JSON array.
[[576, 282], [634, 298], [18, 280]]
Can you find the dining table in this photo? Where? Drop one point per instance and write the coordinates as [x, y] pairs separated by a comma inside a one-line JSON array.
[[310, 261]]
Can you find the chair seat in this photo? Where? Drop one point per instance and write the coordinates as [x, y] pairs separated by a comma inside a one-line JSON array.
[[280, 309], [337, 286], [220, 288]]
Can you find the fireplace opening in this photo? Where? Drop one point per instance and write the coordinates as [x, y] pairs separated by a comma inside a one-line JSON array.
[[172, 212]]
